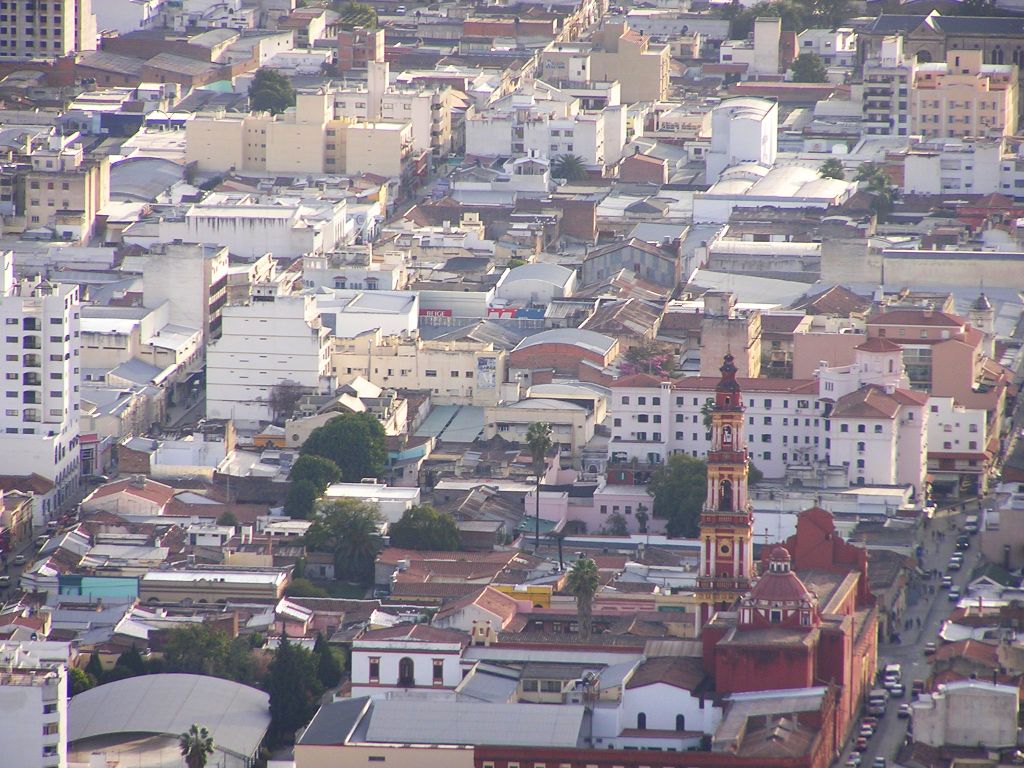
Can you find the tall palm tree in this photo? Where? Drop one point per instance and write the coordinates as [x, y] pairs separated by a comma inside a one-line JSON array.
[[583, 582], [538, 437], [196, 744], [569, 167]]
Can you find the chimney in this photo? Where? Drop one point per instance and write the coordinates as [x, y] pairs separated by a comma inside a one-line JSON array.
[[139, 481]]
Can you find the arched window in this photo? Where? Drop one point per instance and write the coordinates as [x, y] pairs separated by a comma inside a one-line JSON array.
[[727, 435], [641, 721], [680, 723], [725, 496], [406, 675]]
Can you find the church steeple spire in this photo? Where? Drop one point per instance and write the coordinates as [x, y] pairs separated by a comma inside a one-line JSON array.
[[727, 521]]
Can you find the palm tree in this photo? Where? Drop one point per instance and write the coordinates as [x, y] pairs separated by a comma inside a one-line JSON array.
[[832, 169], [569, 167], [538, 437], [195, 744], [706, 411], [583, 582], [642, 517]]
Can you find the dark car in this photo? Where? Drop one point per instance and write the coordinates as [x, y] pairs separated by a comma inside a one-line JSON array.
[[963, 542]]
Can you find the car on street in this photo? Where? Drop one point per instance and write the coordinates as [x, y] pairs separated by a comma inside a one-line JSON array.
[[946, 583], [867, 731], [898, 691], [5, 582], [929, 648], [19, 560], [954, 594], [861, 744], [904, 711], [854, 760], [963, 542], [880, 762], [954, 565], [872, 721]]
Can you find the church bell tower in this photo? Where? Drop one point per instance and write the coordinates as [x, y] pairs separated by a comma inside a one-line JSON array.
[[727, 520]]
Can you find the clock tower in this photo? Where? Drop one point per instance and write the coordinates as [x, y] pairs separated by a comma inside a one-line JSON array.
[[727, 521]]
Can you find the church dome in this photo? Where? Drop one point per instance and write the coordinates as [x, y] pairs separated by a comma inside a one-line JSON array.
[[981, 304], [779, 585]]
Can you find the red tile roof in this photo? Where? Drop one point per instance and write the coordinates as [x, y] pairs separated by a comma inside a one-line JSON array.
[[879, 344], [489, 599], [922, 317], [422, 633], [679, 672], [147, 489]]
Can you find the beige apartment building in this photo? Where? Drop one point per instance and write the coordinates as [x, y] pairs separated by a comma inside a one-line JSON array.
[[65, 190], [45, 29], [307, 139], [964, 97], [623, 54], [454, 372]]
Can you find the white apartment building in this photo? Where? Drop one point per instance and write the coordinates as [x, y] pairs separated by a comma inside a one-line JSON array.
[[274, 339], [33, 32], [836, 47], [542, 121], [888, 78], [123, 16], [41, 373], [743, 130], [428, 110], [964, 166], [860, 417], [191, 277], [455, 372], [356, 267], [761, 53], [34, 700], [251, 225]]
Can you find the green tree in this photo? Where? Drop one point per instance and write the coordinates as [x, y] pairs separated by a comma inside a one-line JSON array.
[[79, 681], [347, 529], [304, 588], [538, 438], [95, 668], [569, 167], [318, 470], [196, 746], [132, 661], [200, 649], [227, 517], [423, 527], [679, 488], [707, 410], [832, 169], [270, 91], [809, 68], [355, 442], [642, 517], [754, 475], [294, 690], [301, 499], [616, 525], [328, 667], [877, 183], [583, 582]]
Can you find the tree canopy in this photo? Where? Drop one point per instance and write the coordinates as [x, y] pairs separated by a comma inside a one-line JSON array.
[[196, 745], [423, 527], [583, 582], [203, 649], [355, 442], [679, 488], [832, 169], [878, 184], [328, 665], [569, 167], [809, 68], [294, 690], [270, 91], [348, 529]]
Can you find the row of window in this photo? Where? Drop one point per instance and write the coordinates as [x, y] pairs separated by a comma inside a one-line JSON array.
[[696, 401]]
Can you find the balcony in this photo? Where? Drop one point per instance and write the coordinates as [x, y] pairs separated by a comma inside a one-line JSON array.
[[31, 342], [31, 398], [32, 361], [31, 324], [32, 380]]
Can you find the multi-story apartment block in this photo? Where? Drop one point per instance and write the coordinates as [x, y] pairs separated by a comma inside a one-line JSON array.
[[623, 54], [358, 47], [964, 97], [34, 697], [305, 140], [542, 121], [836, 47], [428, 110], [41, 374], [65, 190], [192, 278], [277, 338], [454, 372], [888, 77], [35, 30], [829, 419]]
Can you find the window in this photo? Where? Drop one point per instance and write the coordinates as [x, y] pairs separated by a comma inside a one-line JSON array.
[[406, 672], [625, 401], [878, 429], [844, 427], [775, 616], [375, 669], [430, 374], [438, 671], [641, 721], [655, 401], [862, 428], [641, 401], [642, 418], [680, 722]]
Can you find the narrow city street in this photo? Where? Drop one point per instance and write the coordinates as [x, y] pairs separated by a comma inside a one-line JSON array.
[[932, 610]]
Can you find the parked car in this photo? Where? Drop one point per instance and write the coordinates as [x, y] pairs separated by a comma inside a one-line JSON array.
[[904, 711], [5, 582], [19, 560], [954, 594], [898, 691], [854, 760], [946, 583], [861, 744], [963, 542], [954, 565], [880, 762], [929, 648]]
